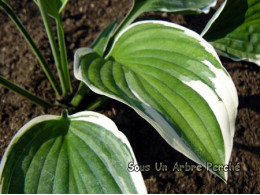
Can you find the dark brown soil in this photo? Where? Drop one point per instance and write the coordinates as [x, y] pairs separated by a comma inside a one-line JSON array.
[[83, 20]]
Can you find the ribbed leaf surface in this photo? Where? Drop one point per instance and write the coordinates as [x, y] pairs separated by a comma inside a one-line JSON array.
[[84, 153], [235, 30], [174, 80]]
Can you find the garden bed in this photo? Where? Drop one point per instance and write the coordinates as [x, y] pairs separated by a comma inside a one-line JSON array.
[[83, 20]]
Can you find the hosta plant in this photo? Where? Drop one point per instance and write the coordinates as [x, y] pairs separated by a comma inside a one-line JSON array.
[[170, 75], [234, 30]]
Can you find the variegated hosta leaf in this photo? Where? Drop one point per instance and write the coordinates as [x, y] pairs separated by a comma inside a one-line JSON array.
[[172, 78], [180, 6], [54, 7], [235, 30], [82, 153], [175, 5]]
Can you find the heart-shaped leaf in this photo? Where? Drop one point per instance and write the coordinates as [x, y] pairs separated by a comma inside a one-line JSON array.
[[172, 78], [235, 30], [54, 7], [82, 153]]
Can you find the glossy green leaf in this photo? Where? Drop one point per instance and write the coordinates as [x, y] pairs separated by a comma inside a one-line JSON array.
[[180, 6], [175, 6], [54, 7], [82, 153], [235, 30], [172, 78]]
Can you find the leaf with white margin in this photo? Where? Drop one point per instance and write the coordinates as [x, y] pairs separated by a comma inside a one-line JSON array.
[[234, 30], [172, 78], [173, 6], [81, 153]]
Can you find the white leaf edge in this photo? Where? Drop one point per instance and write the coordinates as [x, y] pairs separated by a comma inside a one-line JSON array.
[[210, 23], [256, 61], [225, 112], [88, 116], [214, 18], [204, 10]]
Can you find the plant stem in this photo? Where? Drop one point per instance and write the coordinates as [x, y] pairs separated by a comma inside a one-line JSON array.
[[79, 96], [130, 17], [63, 54], [54, 48], [97, 103], [24, 93], [134, 12], [33, 47]]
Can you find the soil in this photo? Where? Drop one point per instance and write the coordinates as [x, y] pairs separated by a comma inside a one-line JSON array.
[[83, 20]]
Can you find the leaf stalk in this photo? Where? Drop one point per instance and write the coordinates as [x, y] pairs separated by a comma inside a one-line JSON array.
[[54, 48], [63, 54], [80, 94], [33, 47], [97, 103], [24, 93]]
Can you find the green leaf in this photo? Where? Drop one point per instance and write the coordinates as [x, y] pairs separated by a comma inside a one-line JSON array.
[[235, 30], [55, 7], [175, 6], [82, 153], [101, 42], [172, 78], [99, 46], [52, 8], [24, 93]]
